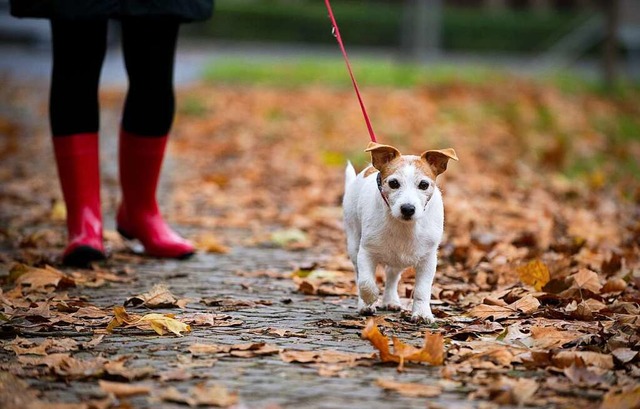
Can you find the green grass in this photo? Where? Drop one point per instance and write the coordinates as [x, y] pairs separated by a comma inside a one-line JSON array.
[[333, 72]]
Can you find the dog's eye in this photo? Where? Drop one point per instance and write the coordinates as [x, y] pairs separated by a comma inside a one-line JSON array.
[[394, 184], [423, 185]]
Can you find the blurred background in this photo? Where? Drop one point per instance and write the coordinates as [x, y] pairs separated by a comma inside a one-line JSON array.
[[600, 40]]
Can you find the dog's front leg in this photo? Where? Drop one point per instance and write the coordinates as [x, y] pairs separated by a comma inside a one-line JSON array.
[[366, 280], [390, 298], [425, 271]]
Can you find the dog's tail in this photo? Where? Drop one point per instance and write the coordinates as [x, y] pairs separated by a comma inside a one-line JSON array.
[[349, 174]]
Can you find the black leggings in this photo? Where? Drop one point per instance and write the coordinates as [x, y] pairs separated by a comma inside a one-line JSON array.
[[78, 52]]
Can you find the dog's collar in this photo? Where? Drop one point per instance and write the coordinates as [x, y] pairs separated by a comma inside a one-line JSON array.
[[379, 182]]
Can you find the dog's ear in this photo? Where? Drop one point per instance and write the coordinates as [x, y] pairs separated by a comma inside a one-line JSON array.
[[438, 159], [381, 154]]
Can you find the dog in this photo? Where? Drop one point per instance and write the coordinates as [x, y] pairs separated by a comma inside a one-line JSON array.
[[394, 217]]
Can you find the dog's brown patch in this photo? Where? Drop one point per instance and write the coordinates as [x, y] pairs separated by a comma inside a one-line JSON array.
[[393, 166], [424, 168], [420, 164], [370, 171]]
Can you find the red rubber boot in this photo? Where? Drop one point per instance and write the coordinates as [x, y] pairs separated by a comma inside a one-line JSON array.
[[139, 216], [79, 172]]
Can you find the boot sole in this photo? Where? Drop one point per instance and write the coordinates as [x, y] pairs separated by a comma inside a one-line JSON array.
[[82, 256]]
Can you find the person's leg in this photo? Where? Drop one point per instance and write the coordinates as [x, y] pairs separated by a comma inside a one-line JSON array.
[[78, 53], [149, 51]]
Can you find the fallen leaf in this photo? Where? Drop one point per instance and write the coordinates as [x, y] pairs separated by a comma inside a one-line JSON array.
[[158, 297], [552, 337], [43, 279], [535, 273], [118, 369], [248, 350], [628, 398], [624, 355], [579, 374], [213, 395], [201, 395], [123, 390], [414, 390], [583, 280], [158, 322], [211, 320], [564, 359], [323, 356], [432, 351], [514, 391], [211, 244], [614, 285], [526, 305]]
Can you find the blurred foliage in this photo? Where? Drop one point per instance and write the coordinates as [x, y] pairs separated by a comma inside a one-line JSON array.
[[379, 24], [528, 117]]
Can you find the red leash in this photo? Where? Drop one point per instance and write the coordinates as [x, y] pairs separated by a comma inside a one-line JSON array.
[[336, 33]]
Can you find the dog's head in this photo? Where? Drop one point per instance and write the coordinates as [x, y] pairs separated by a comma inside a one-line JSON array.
[[408, 181]]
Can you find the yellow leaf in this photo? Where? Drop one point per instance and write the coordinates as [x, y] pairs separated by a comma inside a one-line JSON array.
[[211, 244], [58, 211], [535, 273], [160, 322]]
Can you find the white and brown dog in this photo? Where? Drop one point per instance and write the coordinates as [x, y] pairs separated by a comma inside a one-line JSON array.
[[394, 217]]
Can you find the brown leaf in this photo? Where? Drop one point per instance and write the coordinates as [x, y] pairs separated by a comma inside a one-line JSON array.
[[624, 355], [213, 395], [510, 391], [564, 359], [414, 390], [628, 398], [579, 374], [123, 390], [551, 337], [535, 274], [117, 369], [43, 279], [201, 395], [614, 285], [498, 309], [248, 350], [583, 280], [158, 297], [323, 356], [211, 320]]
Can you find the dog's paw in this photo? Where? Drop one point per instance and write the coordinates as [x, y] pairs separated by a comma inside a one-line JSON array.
[[422, 319], [368, 292], [391, 306], [366, 309], [422, 316]]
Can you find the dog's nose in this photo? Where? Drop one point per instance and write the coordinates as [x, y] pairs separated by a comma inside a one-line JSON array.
[[407, 210]]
